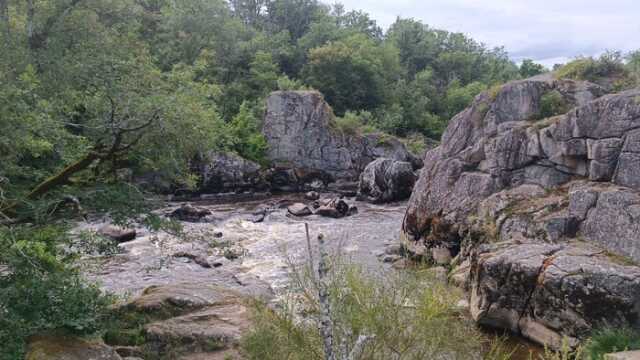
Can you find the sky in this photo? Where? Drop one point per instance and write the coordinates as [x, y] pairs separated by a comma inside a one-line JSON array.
[[547, 31]]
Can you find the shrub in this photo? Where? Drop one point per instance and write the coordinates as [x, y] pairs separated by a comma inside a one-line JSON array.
[[353, 123], [245, 135], [416, 143], [551, 104], [40, 292], [611, 340], [410, 316], [608, 65]]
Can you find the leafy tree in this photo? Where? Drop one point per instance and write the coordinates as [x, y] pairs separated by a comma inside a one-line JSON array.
[[350, 73], [528, 68]]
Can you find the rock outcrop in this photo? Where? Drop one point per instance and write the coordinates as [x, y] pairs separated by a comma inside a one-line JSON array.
[[385, 180], [193, 319], [68, 348], [228, 172], [544, 213], [299, 129]]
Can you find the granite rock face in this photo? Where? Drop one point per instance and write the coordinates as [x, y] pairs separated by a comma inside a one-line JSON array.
[[546, 210], [226, 172], [385, 180], [299, 129]]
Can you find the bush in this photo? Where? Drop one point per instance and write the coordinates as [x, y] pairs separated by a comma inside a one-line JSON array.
[[354, 123], [40, 292], [610, 65], [551, 104], [611, 340], [410, 316], [416, 143], [245, 135]]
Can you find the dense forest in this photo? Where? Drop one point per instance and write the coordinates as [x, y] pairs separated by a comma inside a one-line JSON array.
[[91, 89]]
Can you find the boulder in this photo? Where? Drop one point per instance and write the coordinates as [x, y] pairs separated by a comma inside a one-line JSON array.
[[117, 233], [625, 355], [177, 299], [336, 208], [385, 180], [68, 348], [312, 195], [548, 292], [300, 131], [299, 209], [217, 327], [228, 172], [190, 213], [197, 320]]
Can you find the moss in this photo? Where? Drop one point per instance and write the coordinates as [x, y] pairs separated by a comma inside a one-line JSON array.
[[494, 91], [620, 259]]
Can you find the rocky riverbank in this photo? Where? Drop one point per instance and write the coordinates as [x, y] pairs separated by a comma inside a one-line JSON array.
[[538, 209]]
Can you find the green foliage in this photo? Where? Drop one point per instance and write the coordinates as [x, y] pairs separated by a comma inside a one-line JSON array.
[[528, 68], [351, 73], [245, 135], [551, 104], [39, 292], [412, 316], [354, 123], [459, 97], [611, 340], [416, 143], [608, 70]]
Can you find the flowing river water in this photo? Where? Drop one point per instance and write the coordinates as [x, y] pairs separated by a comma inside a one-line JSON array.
[[265, 250]]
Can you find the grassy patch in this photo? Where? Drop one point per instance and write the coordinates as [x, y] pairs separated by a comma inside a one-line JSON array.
[[611, 340], [409, 316]]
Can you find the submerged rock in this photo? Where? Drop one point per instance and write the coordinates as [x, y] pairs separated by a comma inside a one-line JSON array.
[[385, 180], [117, 233], [190, 213], [312, 195], [299, 209], [336, 208]]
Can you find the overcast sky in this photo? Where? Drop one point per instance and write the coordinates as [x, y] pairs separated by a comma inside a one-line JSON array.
[[548, 31]]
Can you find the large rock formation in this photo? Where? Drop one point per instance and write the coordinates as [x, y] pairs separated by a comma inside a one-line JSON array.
[[226, 172], [301, 135], [385, 180], [545, 211]]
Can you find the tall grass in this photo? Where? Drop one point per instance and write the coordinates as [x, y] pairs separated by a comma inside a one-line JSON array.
[[405, 316]]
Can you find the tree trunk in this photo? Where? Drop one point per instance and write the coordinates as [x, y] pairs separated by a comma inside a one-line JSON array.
[[31, 11], [4, 17], [62, 177]]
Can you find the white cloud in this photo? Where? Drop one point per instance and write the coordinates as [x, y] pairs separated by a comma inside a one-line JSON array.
[[547, 31]]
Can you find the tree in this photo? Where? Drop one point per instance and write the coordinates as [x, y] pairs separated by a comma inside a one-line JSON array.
[[351, 73], [528, 68]]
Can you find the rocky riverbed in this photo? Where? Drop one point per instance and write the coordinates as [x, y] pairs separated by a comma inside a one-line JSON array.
[[234, 244]]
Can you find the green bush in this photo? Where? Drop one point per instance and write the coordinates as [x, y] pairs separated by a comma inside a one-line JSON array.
[[551, 104], [354, 123], [410, 316], [245, 135], [608, 65], [40, 292], [607, 341]]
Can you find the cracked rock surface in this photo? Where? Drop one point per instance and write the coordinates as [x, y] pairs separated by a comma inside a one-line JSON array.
[[544, 213], [299, 129]]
